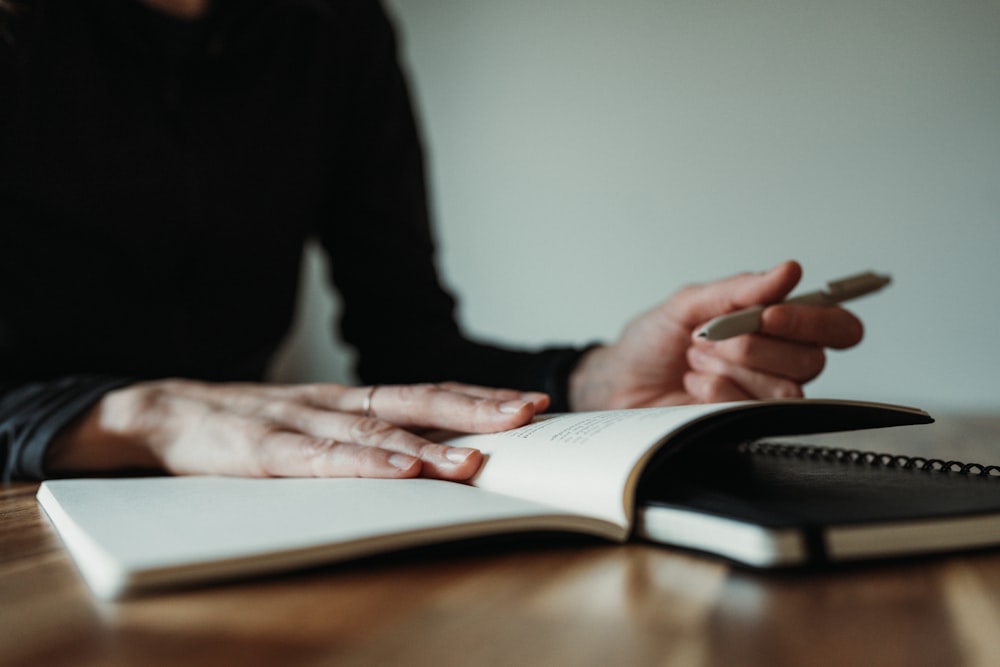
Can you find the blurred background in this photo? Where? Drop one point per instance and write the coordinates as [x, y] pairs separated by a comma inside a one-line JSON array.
[[588, 157]]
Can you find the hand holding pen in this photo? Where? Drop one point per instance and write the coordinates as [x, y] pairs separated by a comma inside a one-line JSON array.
[[660, 358], [747, 320]]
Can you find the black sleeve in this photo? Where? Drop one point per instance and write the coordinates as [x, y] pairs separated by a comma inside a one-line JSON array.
[[32, 413], [396, 312]]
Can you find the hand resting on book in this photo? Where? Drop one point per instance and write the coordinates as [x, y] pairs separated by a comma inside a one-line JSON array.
[[658, 360], [256, 430]]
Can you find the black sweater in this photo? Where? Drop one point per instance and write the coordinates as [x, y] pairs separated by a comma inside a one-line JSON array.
[[158, 179]]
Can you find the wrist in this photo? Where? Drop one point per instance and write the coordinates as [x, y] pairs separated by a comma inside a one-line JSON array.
[[107, 437], [589, 383]]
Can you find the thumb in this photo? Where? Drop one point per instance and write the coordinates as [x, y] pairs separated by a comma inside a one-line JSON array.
[[697, 304]]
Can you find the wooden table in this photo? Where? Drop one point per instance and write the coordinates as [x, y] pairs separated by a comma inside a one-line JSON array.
[[576, 602]]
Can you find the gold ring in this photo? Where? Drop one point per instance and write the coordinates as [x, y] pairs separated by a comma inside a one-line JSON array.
[[366, 407]]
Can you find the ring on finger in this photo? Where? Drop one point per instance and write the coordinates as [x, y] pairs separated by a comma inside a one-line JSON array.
[[366, 406]]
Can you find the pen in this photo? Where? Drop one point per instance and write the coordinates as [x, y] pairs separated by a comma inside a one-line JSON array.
[[748, 320]]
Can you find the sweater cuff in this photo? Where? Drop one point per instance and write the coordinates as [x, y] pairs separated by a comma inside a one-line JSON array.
[[39, 412], [560, 367]]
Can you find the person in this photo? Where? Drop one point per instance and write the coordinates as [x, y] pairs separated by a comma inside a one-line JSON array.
[[162, 163]]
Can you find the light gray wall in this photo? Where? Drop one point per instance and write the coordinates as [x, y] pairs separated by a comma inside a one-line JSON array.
[[589, 156]]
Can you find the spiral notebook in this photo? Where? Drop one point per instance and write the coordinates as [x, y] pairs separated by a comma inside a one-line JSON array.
[[774, 504]]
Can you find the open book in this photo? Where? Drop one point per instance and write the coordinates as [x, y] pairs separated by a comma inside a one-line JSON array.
[[576, 472]]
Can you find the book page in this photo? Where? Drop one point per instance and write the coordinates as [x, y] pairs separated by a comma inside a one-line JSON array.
[[590, 462], [586, 462], [137, 533]]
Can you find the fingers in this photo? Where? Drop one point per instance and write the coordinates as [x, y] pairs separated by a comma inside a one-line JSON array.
[[318, 430], [709, 388], [213, 441], [797, 362], [759, 366], [339, 434], [316, 408], [452, 406], [292, 454], [787, 352], [824, 326], [715, 378], [282, 453], [828, 327], [696, 304], [458, 407]]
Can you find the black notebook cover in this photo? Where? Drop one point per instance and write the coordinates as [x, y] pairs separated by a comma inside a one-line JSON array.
[[777, 504]]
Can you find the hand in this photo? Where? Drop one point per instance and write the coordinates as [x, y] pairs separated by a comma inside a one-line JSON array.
[[659, 361], [256, 430]]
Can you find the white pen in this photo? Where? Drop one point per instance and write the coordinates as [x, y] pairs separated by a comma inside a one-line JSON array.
[[748, 320]]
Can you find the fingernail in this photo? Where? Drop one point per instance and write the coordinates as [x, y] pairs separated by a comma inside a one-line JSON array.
[[459, 454], [510, 407], [401, 461]]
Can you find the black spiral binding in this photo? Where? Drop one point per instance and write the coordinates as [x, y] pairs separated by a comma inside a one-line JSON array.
[[840, 455]]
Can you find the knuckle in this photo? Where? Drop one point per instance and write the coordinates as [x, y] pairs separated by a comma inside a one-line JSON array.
[[260, 431], [714, 387], [318, 452], [263, 451], [432, 451], [482, 414], [411, 393], [370, 430], [282, 409], [783, 321], [366, 461], [418, 401], [321, 447], [786, 389], [313, 457], [743, 347], [321, 393]]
